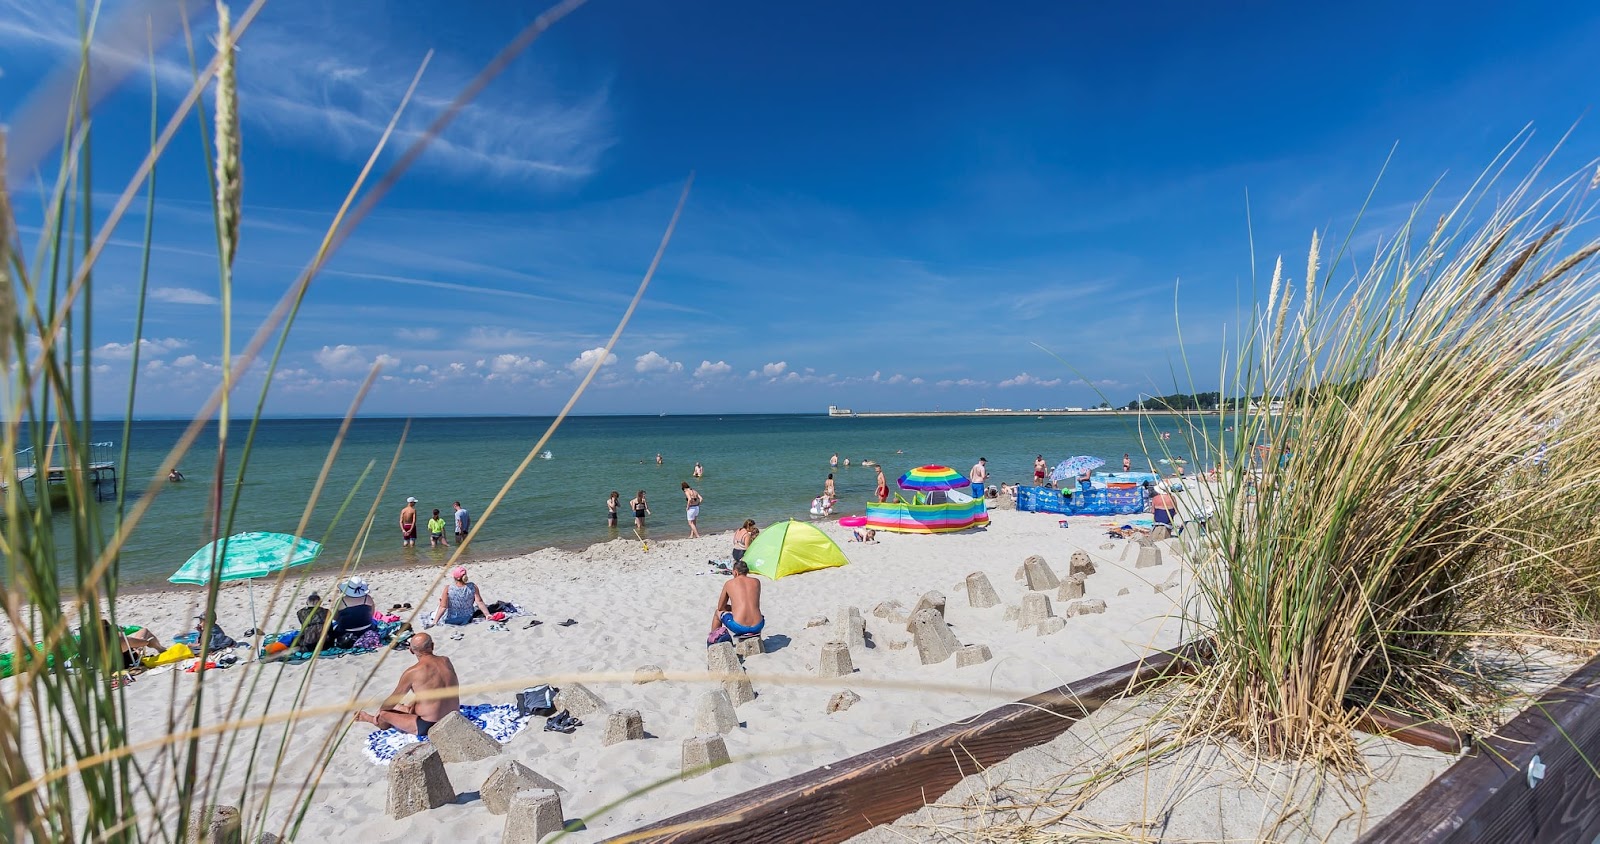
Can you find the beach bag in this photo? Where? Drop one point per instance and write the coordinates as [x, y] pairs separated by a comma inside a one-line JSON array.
[[537, 701]]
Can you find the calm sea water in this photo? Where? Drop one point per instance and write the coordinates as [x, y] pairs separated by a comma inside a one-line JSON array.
[[761, 467]]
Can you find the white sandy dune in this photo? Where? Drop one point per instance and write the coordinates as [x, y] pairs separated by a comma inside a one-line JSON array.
[[636, 607]]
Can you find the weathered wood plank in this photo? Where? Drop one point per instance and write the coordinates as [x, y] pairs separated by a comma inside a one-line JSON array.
[[1485, 797], [1401, 728], [853, 795]]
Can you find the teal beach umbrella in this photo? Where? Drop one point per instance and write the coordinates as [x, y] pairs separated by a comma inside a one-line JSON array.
[[246, 556]]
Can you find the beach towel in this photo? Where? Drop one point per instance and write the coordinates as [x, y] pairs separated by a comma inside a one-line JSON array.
[[500, 720]]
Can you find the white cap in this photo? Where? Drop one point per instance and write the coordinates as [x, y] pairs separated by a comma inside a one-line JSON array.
[[411, 500]]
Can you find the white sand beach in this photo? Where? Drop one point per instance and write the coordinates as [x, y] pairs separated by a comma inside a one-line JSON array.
[[636, 607]]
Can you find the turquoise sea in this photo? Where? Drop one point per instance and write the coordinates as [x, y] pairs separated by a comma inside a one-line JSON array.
[[762, 467]]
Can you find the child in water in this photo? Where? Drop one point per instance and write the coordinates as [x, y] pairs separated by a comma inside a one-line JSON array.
[[436, 530]]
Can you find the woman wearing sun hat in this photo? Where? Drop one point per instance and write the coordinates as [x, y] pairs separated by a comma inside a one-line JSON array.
[[460, 598], [353, 615]]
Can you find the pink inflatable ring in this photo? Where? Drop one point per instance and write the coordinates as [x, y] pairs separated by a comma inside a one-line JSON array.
[[853, 521]]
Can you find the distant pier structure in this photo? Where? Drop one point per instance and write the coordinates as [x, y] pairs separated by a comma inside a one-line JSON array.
[[102, 470]]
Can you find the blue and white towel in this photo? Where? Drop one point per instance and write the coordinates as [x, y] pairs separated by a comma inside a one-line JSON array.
[[499, 720]]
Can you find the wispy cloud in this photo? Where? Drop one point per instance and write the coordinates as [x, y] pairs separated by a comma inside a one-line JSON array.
[[182, 296], [325, 80]]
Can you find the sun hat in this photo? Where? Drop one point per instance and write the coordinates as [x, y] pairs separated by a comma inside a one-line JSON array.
[[411, 500], [459, 572], [354, 586]]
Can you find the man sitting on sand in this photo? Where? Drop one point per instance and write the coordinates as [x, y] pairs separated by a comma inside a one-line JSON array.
[[738, 610], [430, 673]]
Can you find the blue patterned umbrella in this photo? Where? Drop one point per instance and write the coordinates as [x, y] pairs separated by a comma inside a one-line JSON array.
[[1075, 466]]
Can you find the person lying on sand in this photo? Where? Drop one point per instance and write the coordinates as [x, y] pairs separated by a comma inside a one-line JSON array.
[[863, 534], [738, 611], [430, 673]]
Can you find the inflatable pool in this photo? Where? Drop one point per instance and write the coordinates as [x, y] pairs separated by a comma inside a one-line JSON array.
[[900, 517], [852, 521]]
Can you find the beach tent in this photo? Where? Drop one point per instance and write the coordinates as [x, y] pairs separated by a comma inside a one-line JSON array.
[[792, 547]]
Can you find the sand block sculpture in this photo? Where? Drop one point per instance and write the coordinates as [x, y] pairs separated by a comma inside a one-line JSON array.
[[849, 628], [460, 740], [1038, 574], [973, 655], [1053, 624], [1149, 557], [417, 781], [835, 661], [935, 643], [702, 753], [1071, 588], [623, 725], [648, 674], [577, 699], [1087, 606], [980, 592], [1081, 563], [534, 814], [509, 777], [714, 715], [1035, 608]]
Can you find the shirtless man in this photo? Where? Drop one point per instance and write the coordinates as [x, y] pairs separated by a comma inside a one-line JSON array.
[[1039, 468], [739, 604], [408, 523], [429, 673]]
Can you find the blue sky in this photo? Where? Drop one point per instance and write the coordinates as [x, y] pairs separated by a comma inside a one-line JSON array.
[[895, 204]]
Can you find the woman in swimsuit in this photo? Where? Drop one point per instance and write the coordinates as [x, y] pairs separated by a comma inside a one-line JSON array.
[[883, 486], [691, 503], [743, 537], [612, 504], [827, 488], [640, 510]]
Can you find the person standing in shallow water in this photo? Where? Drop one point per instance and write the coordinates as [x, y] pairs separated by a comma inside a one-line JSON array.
[[691, 504], [612, 503], [1127, 462], [640, 510], [408, 523], [658, 458]]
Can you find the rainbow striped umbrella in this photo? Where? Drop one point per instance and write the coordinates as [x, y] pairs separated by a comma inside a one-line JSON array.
[[928, 478]]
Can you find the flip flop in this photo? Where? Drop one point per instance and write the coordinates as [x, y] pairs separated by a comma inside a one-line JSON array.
[[568, 623], [534, 623]]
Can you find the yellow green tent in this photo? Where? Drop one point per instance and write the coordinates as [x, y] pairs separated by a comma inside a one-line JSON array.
[[792, 547]]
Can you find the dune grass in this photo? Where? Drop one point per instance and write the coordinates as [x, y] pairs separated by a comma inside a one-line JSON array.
[[68, 770], [1363, 535]]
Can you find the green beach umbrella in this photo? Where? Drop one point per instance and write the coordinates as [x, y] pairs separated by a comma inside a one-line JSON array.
[[246, 556]]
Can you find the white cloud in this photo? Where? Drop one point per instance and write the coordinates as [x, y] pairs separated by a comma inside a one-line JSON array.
[[963, 382], [509, 364], [1026, 380], [386, 361], [417, 335], [341, 358], [582, 362], [917, 381], [652, 362], [773, 370], [183, 296], [707, 369], [147, 346]]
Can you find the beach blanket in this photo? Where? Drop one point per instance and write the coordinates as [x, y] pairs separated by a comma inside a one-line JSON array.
[[500, 720], [385, 633]]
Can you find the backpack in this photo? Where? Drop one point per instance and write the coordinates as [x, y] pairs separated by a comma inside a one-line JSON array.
[[537, 700]]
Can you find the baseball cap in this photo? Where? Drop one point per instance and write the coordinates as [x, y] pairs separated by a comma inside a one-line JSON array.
[[411, 500], [459, 572]]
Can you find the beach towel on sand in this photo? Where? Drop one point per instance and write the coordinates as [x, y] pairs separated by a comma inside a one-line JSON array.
[[500, 720]]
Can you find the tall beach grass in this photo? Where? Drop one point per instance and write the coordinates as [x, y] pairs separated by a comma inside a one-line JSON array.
[[1431, 468]]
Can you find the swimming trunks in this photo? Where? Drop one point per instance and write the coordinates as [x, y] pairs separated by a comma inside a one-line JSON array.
[[738, 554], [694, 512], [423, 726], [738, 629]]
